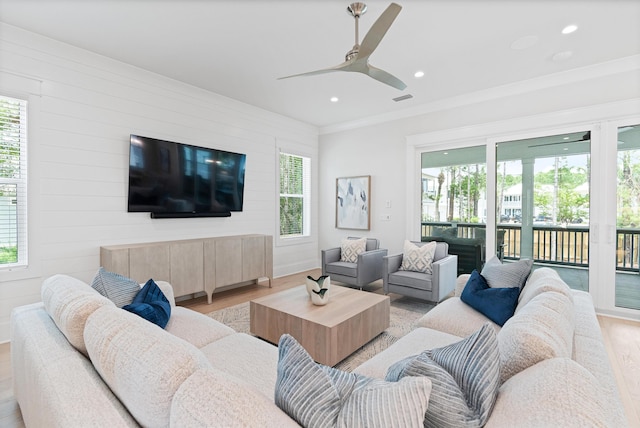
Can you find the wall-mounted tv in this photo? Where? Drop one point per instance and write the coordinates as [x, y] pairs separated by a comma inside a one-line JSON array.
[[171, 179]]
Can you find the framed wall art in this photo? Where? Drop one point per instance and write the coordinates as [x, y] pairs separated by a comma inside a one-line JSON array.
[[353, 202]]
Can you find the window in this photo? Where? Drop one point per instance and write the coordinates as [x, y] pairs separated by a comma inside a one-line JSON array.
[[13, 182], [295, 184]]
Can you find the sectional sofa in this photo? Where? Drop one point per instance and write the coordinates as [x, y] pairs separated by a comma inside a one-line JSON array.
[[78, 360]]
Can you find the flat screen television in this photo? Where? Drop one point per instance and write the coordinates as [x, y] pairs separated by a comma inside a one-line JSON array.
[[171, 179]]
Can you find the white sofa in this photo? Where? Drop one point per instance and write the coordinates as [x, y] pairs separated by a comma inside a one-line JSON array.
[[80, 361], [554, 366]]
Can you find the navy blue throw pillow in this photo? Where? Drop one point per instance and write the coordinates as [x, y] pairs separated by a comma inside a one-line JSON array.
[[151, 304], [497, 304]]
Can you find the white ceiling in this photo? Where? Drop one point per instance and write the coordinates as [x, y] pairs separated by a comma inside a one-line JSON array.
[[238, 48]]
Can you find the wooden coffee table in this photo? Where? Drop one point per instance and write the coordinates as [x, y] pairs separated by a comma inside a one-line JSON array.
[[329, 333]]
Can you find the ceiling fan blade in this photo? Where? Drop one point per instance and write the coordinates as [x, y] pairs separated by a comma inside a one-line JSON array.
[[339, 67], [384, 77], [378, 30]]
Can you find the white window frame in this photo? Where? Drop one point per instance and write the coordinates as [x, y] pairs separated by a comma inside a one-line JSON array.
[[21, 183], [306, 195]]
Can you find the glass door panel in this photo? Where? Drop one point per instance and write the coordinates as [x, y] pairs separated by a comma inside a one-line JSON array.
[[628, 218], [454, 203], [542, 203]]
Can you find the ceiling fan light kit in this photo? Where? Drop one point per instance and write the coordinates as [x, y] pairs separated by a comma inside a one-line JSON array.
[[357, 59]]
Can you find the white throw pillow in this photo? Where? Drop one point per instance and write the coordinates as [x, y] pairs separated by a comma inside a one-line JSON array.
[[350, 249], [418, 258]]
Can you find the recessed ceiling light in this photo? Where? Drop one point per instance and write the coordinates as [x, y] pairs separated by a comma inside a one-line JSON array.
[[565, 138], [569, 29], [445, 153], [562, 56], [334, 99], [566, 148], [418, 74]]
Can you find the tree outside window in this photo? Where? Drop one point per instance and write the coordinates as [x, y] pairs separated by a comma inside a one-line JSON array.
[[294, 195]]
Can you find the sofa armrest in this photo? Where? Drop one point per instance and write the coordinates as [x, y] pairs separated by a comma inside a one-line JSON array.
[[370, 266], [461, 282], [443, 278]]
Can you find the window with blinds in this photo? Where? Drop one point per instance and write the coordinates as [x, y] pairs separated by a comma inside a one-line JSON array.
[[13, 182], [295, 184]]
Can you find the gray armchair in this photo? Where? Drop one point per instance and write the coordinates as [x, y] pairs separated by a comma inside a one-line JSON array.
[[367, 269], [433, 287]]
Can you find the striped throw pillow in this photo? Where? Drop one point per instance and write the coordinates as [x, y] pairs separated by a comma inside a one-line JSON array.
[[115, 287], [465, 378], [319, 396]]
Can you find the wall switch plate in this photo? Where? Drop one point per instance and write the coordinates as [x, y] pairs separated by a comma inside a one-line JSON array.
[[387, 204], [385, 217]]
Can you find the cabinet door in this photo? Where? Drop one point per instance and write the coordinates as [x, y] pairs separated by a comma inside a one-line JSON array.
[[151, 261], [187, 268], [115, 260], [253, 257], [228, 261]]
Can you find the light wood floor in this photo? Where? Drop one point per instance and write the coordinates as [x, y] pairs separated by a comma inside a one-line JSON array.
[[621, 337]]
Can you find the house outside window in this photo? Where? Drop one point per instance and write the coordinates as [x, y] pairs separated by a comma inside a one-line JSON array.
[[13, 182], [295, 200]]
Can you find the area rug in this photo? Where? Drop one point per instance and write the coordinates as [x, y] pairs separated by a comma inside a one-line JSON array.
[[404, 313]]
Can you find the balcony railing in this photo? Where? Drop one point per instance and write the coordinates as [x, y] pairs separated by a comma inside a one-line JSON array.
[[562, 245]]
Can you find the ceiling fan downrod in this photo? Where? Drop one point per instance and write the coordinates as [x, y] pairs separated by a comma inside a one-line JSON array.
[[356, 10]]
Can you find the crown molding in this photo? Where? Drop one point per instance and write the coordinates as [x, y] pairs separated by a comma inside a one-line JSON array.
[[616, 66]]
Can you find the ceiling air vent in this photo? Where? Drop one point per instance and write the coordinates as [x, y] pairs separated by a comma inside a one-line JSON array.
[[402, 98]]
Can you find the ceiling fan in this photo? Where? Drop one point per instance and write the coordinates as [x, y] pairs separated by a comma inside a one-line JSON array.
[[357, 59]]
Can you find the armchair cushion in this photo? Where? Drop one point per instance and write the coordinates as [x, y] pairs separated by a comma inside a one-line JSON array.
[[418, 280], [417, 257], [350, 248]]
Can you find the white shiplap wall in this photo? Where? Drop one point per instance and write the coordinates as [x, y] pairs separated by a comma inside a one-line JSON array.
[[83, 108]]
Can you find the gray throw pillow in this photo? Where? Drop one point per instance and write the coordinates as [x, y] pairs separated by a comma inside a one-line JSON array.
[[465, 378], [506, 275], [115, 287], [315, 395]]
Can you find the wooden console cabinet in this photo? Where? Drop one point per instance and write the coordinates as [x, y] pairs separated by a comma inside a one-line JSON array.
[[194, 265]]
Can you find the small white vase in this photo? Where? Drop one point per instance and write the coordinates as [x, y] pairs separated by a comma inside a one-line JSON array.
[[320, 298], [317, 284]]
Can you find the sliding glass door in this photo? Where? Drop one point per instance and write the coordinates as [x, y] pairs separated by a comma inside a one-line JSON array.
[[627, 240], [543, 203]]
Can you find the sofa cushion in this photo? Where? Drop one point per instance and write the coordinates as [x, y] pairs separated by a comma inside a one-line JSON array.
[[350, 248], [500, 275], [557, 392], [69, 302], [246, 358], [540, 330], [151, 304], [465, 378], [142, 364], [212, 398], [455, 317], [320, 396], [418, 257], [497, 304], [542, 280], [196, 329], [115, 287], [408, 345], [418, 280]]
